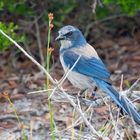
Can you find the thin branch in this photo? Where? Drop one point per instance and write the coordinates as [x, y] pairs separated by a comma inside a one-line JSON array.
[[133, 86], [81, 114], [40, 91], [30, 57], [94, 6], [96, 22], [64, 77], [39, 42], [99, 3], [121, 85]]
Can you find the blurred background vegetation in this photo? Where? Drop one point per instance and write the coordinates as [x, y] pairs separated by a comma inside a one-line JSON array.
[[27, 22], [18, 17]]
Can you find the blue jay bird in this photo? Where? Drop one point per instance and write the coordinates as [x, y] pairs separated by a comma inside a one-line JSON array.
[[89, 71]]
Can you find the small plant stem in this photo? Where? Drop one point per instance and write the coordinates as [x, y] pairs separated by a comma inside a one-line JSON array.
[[73, 131], [17, 117], [48, 84], [81, 130], [48, 53]]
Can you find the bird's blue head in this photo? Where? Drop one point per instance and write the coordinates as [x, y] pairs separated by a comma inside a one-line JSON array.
[[70, 36]]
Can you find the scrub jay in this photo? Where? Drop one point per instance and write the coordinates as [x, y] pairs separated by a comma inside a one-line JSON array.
[[89, 71]]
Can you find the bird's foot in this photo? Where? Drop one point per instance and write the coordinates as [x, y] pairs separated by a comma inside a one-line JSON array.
[[82, 92], [94, 93]]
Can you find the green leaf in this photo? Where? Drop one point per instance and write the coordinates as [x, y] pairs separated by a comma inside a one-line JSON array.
[[10, 30]]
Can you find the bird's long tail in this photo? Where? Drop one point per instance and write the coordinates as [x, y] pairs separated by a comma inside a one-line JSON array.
[[121, 101]]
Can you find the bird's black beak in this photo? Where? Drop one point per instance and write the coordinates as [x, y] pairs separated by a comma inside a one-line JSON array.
[[60, 37]]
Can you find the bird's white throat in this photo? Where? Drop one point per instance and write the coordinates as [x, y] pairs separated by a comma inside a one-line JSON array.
[[65, 44]]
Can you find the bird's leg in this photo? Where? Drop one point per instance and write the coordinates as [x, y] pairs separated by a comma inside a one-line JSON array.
[[122, 113], [81, 92], [94, 92]]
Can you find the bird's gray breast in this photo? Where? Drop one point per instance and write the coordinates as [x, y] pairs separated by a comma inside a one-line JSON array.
[[77, 79]]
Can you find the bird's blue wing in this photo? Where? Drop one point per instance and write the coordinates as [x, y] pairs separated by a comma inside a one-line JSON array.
[[91, 67]]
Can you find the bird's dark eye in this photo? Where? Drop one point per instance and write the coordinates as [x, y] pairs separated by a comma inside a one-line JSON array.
[[68, 34]]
